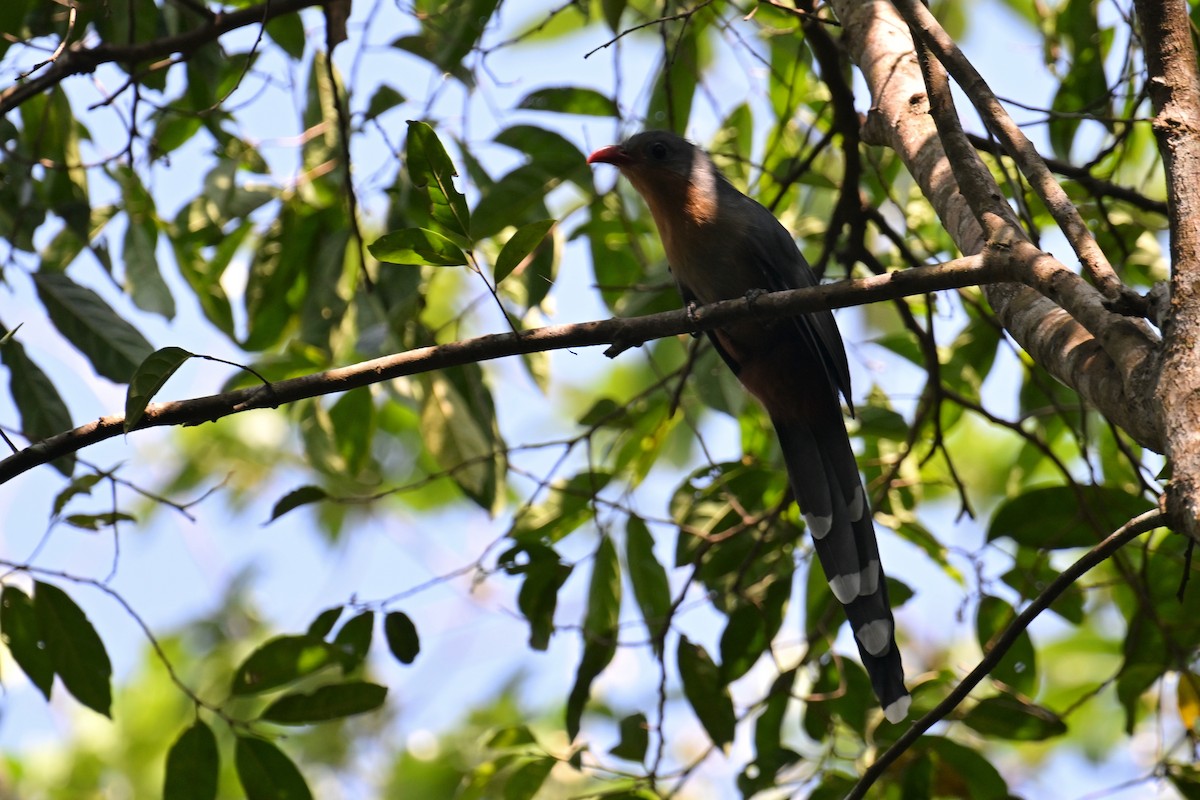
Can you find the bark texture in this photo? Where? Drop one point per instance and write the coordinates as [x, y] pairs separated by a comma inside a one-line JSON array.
[[1108, 359], [1175, 93]]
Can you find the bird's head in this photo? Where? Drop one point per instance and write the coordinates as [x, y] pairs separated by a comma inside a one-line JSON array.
[[671, 173]]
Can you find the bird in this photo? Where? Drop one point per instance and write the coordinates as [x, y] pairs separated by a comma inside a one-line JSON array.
[[722, 245]]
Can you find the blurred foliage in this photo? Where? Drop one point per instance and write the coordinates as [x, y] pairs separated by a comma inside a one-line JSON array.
[[166, 190]]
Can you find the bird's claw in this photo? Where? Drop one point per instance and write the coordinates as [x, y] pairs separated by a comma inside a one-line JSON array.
[[689, 308]]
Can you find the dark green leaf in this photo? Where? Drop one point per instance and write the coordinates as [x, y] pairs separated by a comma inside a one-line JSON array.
[[511, 736], [705, 692], [417, 247], [150, 376], [960, 765], [385, 99], [296, 498], [599, 629], [287, 31], [569, 100], [1018, 668], [612, 13], [401, 636], [568, 507], [192, 765], [354, 640], [43, 412], [328, 702], [742, 642], [280, 661], [320, 627], [649, 580], [1063, 516], [20, 630], [75, 650], [528, 778], [266, 773], [94, 522], [604, 594], [1008, 717], [432, 170], [112, 345], [520, 245], [460, 440], [544, 574], [635, 738]]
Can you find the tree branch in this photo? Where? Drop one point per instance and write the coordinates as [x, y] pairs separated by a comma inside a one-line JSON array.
[[1175, 92], [78, 60], [880, 43], [1115, 541], [620, 334], [1022, 151]]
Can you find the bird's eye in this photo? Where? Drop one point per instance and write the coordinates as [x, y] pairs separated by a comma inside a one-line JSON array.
[[658, 151]]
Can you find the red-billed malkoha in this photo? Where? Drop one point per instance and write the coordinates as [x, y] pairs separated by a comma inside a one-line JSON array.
[[722, 245]]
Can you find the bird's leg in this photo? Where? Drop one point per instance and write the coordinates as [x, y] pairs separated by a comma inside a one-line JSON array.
[[689, 308]]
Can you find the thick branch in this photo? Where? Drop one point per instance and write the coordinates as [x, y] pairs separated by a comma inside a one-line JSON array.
[[1022, 151], [1175, 92], [78, 60], [621, 334], [880, 43], [1101, 552]]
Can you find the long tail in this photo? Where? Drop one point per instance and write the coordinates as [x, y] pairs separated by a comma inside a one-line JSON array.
[[825, 481]]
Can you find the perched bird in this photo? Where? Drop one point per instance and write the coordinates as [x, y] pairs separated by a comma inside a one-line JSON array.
[[722, 245]]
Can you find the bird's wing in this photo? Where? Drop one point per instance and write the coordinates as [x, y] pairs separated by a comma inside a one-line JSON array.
[[783, 267]]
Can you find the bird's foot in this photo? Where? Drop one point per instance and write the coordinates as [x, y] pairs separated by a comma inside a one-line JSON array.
[[689, 308]]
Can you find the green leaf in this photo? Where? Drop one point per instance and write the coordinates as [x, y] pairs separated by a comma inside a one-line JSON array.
[[287, 31], [519, 245], [1055, 517], [143, 279], [459, 440], [599, 629], [354, 640], [1008, 717], [570, 100], [650, 586], [94, 522], [328, 702], [544, 575], [1018, 668], [266, 773], [20, 630], [81, 485], [112, 345], [149, 377], [320, 627], [280, 661], [296, 498], [612, 10], [705, 692], [604, 594], [511, 736], [385, 99], [635, 738], [193, 764], [401, 635], [528, 778], [417, 247], [75, 649], [568, 507], [43, 412], [744, 639], [431, 169]]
